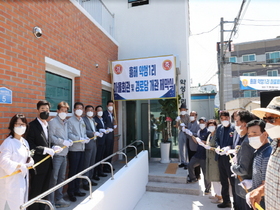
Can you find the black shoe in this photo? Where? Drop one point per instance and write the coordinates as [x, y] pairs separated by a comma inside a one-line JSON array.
[[93, 183], [96, 178], [198, 177], [186, 167], [207, 192], [102, 175], [86, 187], [72, 198], [191, 181], [224, 205], [181, 165], [79, 194], [106, 170]]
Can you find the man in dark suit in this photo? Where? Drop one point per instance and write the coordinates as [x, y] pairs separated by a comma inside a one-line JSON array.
[[37, 137], [90, 149], [101, 127], [108, 117]]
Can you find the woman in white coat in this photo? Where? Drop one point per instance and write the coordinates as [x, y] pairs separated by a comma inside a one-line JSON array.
[[14, 155]]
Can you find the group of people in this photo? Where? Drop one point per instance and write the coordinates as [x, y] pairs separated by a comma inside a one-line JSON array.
[[84, 139], [241, 153]]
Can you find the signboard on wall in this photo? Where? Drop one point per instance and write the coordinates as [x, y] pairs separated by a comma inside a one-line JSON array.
[[259, 83], [5, 96], [145, 78]]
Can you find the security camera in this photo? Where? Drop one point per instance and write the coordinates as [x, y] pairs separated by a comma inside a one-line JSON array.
[[96, 65], [37, 32]]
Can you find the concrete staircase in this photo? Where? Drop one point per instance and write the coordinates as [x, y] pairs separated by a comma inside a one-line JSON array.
[[171, 184]]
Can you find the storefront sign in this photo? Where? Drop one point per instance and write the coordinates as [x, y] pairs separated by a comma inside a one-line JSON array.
[[146, 78]]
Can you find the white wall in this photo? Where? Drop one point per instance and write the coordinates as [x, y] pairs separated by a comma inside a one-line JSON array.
[[159, 28]]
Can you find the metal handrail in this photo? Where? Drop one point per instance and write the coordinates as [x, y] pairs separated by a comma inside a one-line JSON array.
[[38, 199]]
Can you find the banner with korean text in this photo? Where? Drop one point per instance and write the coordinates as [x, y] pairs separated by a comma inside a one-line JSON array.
[[259, 83], [145, 78]]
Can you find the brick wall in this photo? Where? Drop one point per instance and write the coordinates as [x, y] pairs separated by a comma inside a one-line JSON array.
[[68, 37]]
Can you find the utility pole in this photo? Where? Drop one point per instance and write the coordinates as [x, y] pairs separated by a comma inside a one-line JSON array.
[[221, 62]]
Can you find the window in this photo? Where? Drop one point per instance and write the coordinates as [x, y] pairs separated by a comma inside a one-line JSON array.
[[272, 73], [249, 58], [250, 93], [273, 57], [250, 74], [106, 96], [58, 88], [233, 59], [135, 3]]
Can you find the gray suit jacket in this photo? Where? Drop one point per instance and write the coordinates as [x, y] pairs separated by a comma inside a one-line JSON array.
[[90, 132]]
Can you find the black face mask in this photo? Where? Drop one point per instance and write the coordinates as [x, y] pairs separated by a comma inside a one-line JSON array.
[[44, 115]]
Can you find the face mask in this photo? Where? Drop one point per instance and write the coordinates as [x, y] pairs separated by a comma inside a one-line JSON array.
[[44, 115], [202, 126], [272, 130], [79, 112], [255, 142], [225, 123], [20, 130], [89, 114], [183, 113], [110, 108], [212, 128], [62, 115], [192, 118], [238, 130], [100, 113]]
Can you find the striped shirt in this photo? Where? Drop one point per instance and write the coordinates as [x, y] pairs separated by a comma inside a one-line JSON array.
[[272, 179]]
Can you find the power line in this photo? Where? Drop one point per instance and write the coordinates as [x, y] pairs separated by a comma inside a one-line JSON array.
[[258, 25], [205, 31], [261, 20]]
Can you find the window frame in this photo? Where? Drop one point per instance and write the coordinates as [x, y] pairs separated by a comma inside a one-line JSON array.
[[249, 73], [248, 55], [234, 58], [268, 56], [274, 70], [63, 70]]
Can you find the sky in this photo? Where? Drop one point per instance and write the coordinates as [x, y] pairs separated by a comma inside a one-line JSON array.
[[260, 20]]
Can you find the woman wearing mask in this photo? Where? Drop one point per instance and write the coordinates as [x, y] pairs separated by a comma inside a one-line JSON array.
[[15, 155], [212, 169]]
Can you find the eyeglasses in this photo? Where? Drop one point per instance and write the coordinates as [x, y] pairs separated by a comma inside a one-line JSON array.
[[270, 119]]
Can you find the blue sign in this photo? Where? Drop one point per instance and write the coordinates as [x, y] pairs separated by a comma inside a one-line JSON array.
[[5, 96]]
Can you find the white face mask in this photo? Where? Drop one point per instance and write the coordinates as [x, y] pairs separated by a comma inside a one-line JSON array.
[[20, 130], [255, 142], [212, 128], [100, 113], [192, 118], [110, 108], [89, 114], [272, 130], [62, 115], [183, 113], [237, 128], [225, 123], [79, 112], [202, 126]]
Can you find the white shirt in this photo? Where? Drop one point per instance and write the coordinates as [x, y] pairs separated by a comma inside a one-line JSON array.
[[44, 126], [91, 123]]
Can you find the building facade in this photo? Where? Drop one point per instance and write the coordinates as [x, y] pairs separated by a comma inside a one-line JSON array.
[[256, 58], [69, 62]]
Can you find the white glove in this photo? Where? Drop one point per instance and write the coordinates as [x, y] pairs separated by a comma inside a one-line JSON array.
[[115, 126], [67, 143], [96, 134], [182, 124], [246, 183], [101, 135], [71, 142], [225, 150], [110, 129], [102, 130], [30, 163], [233, 174], [178, 118], [57, 149], [233, 160], [248, 199], [199, 141], [87, 140], [48, 151], [207, 147], [24, 169], [183, 129], [217, 150], [188, 132], [231, 151]]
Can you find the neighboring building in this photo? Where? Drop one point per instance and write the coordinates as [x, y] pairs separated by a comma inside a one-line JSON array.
[[242, 104], [203, 100], [256, 58], [68, 62]]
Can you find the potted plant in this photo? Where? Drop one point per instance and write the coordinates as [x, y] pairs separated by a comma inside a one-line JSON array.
[[167, 114]]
